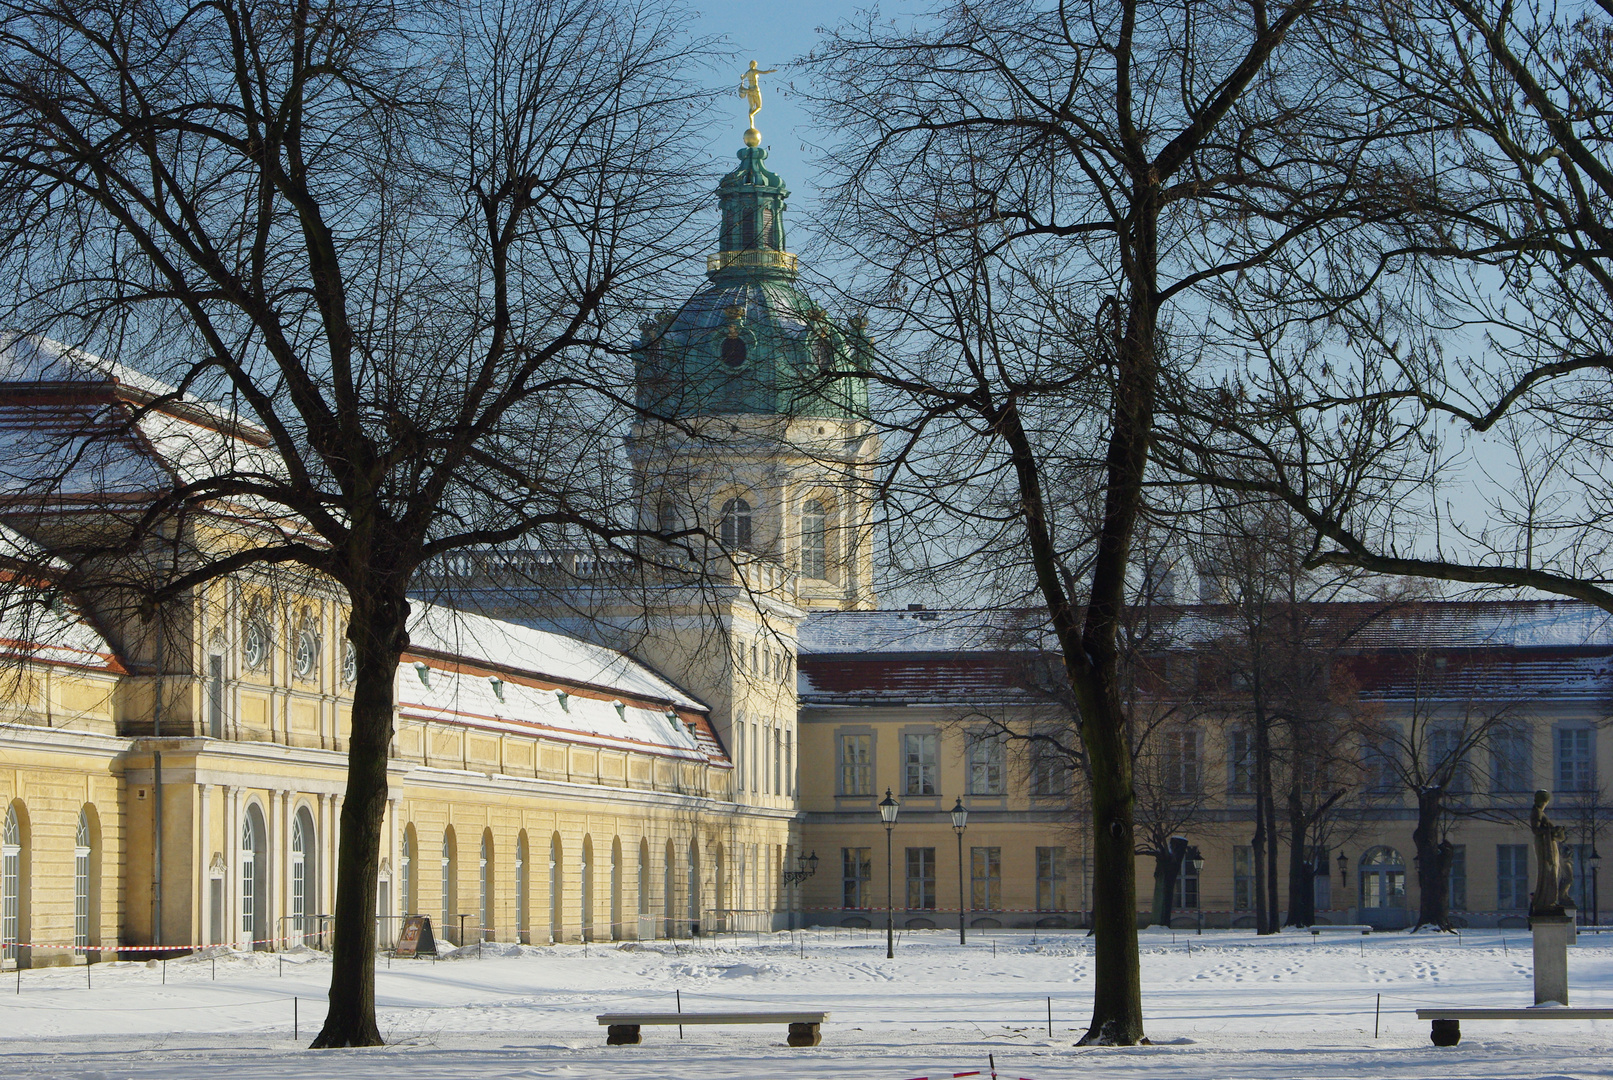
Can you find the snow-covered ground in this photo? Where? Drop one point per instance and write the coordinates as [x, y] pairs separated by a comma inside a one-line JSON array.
[[1224, 1004]]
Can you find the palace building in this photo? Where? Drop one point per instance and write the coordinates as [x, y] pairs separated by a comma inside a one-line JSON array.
[[661, 751]]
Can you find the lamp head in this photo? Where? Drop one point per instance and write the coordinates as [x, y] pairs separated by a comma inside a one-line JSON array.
[[887, 809], [960, 815]]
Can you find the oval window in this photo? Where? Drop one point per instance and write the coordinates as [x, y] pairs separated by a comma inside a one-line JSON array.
[[733, 350]]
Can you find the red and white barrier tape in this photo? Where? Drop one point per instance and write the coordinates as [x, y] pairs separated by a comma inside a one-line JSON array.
[[154, 948], [945, 1076]]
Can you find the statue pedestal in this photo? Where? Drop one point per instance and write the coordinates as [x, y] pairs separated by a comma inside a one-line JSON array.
[[1551, 936]]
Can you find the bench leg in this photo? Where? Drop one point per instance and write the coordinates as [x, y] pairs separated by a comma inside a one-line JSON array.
[[622, 1035], [804, 1035], [1446, 1032]]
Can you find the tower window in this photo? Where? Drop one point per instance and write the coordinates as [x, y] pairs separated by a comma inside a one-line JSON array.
[[733, 348], [747, 228], [814, 540], [735, 532]]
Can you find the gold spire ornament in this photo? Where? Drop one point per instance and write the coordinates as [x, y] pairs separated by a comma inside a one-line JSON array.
[[750, 88]]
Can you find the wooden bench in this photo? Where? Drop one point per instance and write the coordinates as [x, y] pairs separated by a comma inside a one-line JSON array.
[[1447, 1023], [624, 1027], [1352, 928]]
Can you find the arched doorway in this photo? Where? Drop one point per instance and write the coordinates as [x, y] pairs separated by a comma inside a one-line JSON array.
[[694, 887], [643, 886], [669, 908], [523, 913], [616, 888], [450, 886], [14, 885], [556, 880], [587, 873], [484, 885], [1383, 888], [254, 879], [304, 877], [87, 885]]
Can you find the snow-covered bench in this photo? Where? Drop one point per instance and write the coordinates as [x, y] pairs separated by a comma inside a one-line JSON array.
[[624, 1027], [1319, 929], [1447, 1023]]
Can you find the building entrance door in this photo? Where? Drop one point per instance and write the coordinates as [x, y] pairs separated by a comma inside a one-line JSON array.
[[1383, 889]]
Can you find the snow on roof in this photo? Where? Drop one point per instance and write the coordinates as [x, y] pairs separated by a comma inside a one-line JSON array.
[[540, 653], [647, 720], [1537, 649], [1518, 624], [65, 418], [913, 631]]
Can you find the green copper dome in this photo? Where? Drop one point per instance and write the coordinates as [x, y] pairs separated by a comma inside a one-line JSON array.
[[750, 340]]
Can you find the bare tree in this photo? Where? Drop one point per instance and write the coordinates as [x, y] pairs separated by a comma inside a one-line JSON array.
[[1452, 421], [1432, 750], [1038, 187], [398, 245], [1275, 666]]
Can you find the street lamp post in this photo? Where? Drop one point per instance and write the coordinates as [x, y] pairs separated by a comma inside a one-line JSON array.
[[887, 813], [1195, 859], [960, 821]]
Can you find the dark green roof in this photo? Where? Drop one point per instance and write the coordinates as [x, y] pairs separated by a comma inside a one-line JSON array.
[[750, 340]]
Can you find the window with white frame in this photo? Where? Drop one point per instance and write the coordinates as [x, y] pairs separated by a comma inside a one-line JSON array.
[[920, 771], [814, 540], [1181, 761], [1576, 765], [856, 764], [1511, 760], [985, 764]]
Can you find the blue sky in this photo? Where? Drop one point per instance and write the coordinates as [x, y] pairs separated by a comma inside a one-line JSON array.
[[772, 34]]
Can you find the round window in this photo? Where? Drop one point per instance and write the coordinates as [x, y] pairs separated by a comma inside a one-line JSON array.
[[307, 652], [349, 663], [255, 642]]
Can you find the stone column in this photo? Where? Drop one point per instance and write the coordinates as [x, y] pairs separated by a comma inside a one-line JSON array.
[[1551, 935]]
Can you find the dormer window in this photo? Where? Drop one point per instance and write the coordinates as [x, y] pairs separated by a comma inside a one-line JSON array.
[[498, 688], [423, 673], [564, 699], [621, 709]]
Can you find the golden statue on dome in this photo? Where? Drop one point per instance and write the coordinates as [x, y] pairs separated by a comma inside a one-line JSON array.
[[750, 88]]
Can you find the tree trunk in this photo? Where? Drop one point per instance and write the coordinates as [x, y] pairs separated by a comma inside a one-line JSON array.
[[1265, 837], [1433, 861], [1301, 874], [1167, 868], [378, 631], [1274, 909], [1116, 974]]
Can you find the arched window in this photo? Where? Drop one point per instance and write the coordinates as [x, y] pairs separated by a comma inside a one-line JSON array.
[[735, 531], [254, 880], [11, 885], [666, 516], [450, 898], [304, 879], [556, 880], [484, 906], [814, 540], [522, 893], [406, 871], [84, 882]]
